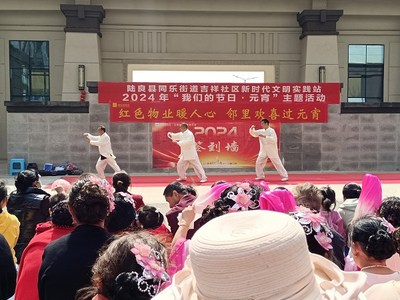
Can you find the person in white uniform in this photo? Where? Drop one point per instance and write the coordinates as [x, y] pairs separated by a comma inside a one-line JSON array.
[[268, 149], [185, 139], [106, 154]]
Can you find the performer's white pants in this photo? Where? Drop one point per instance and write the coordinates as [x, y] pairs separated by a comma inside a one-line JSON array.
[[102, 164], [184, 164], [276, 161]]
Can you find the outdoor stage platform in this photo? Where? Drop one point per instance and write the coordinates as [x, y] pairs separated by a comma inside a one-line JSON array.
[[273, 179]]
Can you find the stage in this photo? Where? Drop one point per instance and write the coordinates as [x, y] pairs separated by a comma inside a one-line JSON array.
[[272, 179]]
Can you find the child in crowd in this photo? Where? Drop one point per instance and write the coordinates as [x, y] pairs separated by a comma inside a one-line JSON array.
[[152, 220], [132, 267], [121, 182], [332, 217]]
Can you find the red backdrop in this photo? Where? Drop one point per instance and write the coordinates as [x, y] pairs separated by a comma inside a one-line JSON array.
[[219, 145]]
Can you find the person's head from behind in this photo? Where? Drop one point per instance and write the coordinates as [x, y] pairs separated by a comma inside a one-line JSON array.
[[123, 215], [54, 199], [88, 202], [101, 130], [328, 198], [242, 194], [132, 267], [390, 210], [149, 217], [252, 242], [318, 234], [371, 241], [212, 212], [183, 127], [26, 179], [3, 195], [351, 190], [121, 181], [175, 191], [60, 215], [265, 123], [308, 195]]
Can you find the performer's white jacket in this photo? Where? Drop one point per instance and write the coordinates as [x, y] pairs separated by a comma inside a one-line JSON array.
[[104, 144], [268, 145], [187, 144]]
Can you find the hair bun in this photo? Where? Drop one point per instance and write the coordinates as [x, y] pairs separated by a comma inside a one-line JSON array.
[[380, 245]]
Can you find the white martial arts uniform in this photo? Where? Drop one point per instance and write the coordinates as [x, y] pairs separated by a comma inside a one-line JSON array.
[[188, 154], [268, 148], [104, 144]]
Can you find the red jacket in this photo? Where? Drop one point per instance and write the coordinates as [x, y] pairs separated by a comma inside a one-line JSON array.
[[27, 282]]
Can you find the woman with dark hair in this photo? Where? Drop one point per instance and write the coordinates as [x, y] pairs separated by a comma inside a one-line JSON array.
[[8, 273], [61, 224], [67, 261], [121, 183], [30, 205], [332, 217], [242, 196], [132, 267], [151, 219], [122, 217], [371, 246], [178, 197]]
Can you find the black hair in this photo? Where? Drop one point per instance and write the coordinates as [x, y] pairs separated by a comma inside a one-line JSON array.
[[150, 217], [60, 215], [25, 179], [54, 199], [211, 212], [328, 198], [254, 194], [123, 215], [373, 237], [184, 125], [121, 182], [218, 182], [351, 190], [390, 210], [89, 202], [266, 121], [3, 192], [102, 127], [396, 239], [179, 188]]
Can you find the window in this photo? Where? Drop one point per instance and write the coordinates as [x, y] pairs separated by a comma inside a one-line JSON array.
[[29, 71], [366, 63]]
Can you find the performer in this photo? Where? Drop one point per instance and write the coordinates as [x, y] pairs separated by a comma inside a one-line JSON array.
[[106, 153], [185, 139], [268, 148]]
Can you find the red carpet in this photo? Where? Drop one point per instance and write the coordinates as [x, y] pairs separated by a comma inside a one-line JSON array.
[[323, 178]]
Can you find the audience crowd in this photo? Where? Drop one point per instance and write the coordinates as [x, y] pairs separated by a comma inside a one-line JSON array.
[[93, 240]]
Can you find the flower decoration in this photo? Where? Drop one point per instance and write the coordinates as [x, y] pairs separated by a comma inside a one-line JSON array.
[[314, 223], [389, 227], [150, 260], [323, 240], [104, 184], [127, 197]]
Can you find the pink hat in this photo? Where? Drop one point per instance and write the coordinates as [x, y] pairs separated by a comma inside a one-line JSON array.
[[370, 198], [61, 183]]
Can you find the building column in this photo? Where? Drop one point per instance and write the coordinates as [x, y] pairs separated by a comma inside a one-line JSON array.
[[319, 50], [82, 46]]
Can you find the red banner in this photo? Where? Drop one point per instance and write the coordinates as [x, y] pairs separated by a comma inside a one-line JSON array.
[[205, 102], [175, 112], [243, 93], [227, 145]]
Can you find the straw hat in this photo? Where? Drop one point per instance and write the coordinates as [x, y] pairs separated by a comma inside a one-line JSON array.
[[254, 255]]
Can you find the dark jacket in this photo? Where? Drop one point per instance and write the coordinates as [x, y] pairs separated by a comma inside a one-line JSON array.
[[67, 262], [8, 274], [172, 215], [31, 207]]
